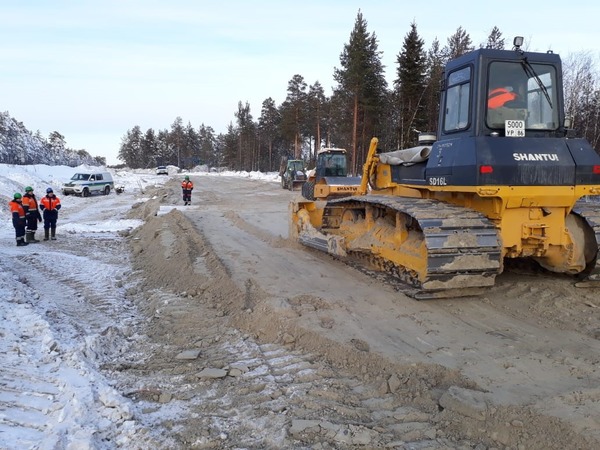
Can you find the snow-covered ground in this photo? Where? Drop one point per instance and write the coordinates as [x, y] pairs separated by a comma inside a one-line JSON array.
[[52, 395]]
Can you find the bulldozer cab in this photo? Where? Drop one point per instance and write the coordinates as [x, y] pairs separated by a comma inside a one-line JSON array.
[[295, 165], [331, 163], [502, 123], [502, 93]]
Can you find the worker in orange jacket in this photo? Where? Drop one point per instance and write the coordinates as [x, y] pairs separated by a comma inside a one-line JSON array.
[[186, 187], [32, 213], [500, 96], [50, 204], [18, 218]]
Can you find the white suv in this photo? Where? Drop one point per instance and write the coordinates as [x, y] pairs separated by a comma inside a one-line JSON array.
[[162, 170], [88, 183]]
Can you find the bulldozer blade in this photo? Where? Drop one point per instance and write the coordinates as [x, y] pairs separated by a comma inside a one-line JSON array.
[[334, 245]]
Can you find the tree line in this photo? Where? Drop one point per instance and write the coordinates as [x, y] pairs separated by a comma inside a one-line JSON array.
[[18, 145], [361, 106]]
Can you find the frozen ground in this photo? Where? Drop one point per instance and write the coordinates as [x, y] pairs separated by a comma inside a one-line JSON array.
[[52, 394], [205, 328]]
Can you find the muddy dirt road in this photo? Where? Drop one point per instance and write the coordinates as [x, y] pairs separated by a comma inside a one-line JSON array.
[[206, 328], [285, 347]]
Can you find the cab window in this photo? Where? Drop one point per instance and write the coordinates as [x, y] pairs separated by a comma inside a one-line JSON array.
[[456, 116], [521, 91]]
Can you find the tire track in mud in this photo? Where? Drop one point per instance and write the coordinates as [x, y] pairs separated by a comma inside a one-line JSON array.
[[282, 397], [265, 395], [291, 395], [87, 302], [456, 410], [543, 421], [550, 300], [58, 353]]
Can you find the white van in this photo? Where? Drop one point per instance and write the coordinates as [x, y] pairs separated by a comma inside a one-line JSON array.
[[88, 183]]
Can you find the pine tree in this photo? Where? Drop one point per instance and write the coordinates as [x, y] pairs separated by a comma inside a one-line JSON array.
[[361, 89], [268, 125], [228, 143], [294, 113], [163, 154], [458, 44], [192, 146], [56, 146], [131, 148], [149, 149], [317, 102], [246, 138], [176, 141], [435, 70], [410, 86], [207, 138], [495, 39]]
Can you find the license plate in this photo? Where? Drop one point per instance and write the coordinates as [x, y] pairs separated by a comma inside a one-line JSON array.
[[514, 128]]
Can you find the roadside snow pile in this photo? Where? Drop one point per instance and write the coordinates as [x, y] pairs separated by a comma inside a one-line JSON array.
[[56, 305], [51, 394]]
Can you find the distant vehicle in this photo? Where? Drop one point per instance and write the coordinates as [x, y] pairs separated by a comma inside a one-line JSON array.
[[88, 183], [329, 179], [292, 173], [162, 170]]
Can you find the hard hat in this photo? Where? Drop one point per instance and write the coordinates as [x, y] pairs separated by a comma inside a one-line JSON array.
[[17, 196], [49, 190], [28, 189], [187, 178]]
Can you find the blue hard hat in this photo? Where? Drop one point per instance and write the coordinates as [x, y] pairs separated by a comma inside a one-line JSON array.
[[49, 190]]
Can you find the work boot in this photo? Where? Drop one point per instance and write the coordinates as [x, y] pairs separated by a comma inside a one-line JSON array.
[[46, 234], [21, 242], [30, 237], [53, 233]]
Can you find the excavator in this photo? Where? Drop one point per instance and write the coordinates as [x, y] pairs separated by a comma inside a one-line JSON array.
[[503, 179]]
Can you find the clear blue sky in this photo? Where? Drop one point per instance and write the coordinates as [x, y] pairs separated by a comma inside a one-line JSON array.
[[91, 70]]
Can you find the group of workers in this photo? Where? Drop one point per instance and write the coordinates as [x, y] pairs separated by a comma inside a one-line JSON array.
[[25, 212]]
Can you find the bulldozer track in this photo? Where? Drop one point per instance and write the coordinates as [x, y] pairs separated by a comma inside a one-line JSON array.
[[463, 248]]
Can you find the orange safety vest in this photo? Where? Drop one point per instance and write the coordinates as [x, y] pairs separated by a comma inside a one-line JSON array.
[[499, 96], [16, 207], [30, 202], [50, 203], [187, 185]]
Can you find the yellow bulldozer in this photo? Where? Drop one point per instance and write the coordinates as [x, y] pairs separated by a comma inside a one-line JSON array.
[[329, 178], [503, 179]]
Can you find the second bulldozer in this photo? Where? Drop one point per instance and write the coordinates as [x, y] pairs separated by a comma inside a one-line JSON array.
[[329, 178]]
